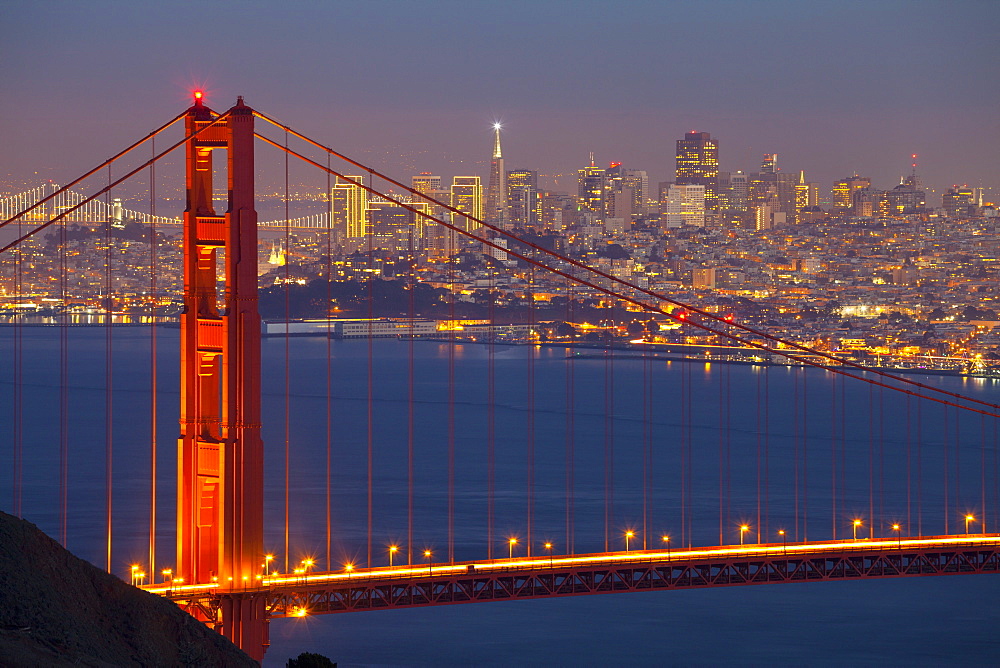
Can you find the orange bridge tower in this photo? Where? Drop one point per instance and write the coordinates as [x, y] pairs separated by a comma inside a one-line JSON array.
[[220, 523]]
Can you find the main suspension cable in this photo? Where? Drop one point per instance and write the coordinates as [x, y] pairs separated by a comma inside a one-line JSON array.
[[22, 237], [95, 170], [625, 284], [652, 307]]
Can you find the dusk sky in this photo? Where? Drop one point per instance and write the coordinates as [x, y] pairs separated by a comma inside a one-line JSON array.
[[833, 88]]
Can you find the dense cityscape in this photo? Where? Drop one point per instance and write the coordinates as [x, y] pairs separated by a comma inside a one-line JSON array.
[[879, 275]]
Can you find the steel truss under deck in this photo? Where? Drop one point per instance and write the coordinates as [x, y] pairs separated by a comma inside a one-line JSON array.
[[493, 582]]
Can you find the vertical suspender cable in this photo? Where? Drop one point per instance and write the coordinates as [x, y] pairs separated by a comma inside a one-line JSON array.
[[722, 459], [767, 440], [647, 442], [531, 408], [152, 365], [690, 454], [18, 374], [370, 458], [288, 370], [569, 548], [108, 408], [833, 457], [491, 399], [982, 470], [729, 442], [996, 477], [329, 369], [944, 471], [881, 457], [919, 474], [871, 460], [909, 469], [63, 387], [451, 407], [958, 460], [410, 424], [684, 450], [805, 455], [797, 447], [609, 409]]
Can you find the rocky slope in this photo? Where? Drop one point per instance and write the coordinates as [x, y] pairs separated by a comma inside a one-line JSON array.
[[58, 610]]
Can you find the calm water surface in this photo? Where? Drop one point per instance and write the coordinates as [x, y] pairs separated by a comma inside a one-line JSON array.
[[839, 435]]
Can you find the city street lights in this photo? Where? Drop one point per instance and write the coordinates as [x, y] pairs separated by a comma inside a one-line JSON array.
[[628, 536], [969, 518], [743, 530], [427, 556], [510, 547], [393, 549], [854, 525], [548, 548], [784, 541], [899, 536]]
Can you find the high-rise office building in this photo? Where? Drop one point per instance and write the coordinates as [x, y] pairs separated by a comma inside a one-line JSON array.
[[769, 165], [496, 192], [349, 201], [683, 205], [590, 188], [843, 190], [425, 183], [698, 164], [467, 197], [638, 181], [806, 194], [524, 202]]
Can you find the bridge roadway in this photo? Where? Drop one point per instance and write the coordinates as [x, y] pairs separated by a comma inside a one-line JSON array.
[[358, 589]]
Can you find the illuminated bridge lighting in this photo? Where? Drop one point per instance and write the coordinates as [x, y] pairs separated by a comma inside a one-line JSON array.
[[720, 553]]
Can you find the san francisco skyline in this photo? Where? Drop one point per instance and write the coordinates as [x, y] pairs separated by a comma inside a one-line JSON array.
[[853, 89]]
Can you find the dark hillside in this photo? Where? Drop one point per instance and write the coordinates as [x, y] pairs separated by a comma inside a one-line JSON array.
[[59, 610]]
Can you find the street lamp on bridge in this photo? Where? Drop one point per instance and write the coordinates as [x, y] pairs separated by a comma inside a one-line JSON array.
[[393, 549], [743, 530], [510, 547], [784, 541], [855, 524], [427, 556], [628, 536], [666, 539], [899, 537], [969, 518], [548, 548]]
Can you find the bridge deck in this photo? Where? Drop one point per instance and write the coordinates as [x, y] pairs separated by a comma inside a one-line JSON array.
[[610, 572]]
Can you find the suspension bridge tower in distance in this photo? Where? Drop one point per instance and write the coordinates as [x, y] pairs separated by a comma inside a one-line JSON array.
[[220, 520]]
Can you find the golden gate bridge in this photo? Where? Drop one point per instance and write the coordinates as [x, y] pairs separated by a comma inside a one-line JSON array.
[[223, 574]]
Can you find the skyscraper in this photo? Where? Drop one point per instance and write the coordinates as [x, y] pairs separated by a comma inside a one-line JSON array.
[[524, 204], [590, 188], [467, 197], [698, 164], [684, 205], [843, 190], [349, 202], [806, 194], [425, 183], [496, 192]]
